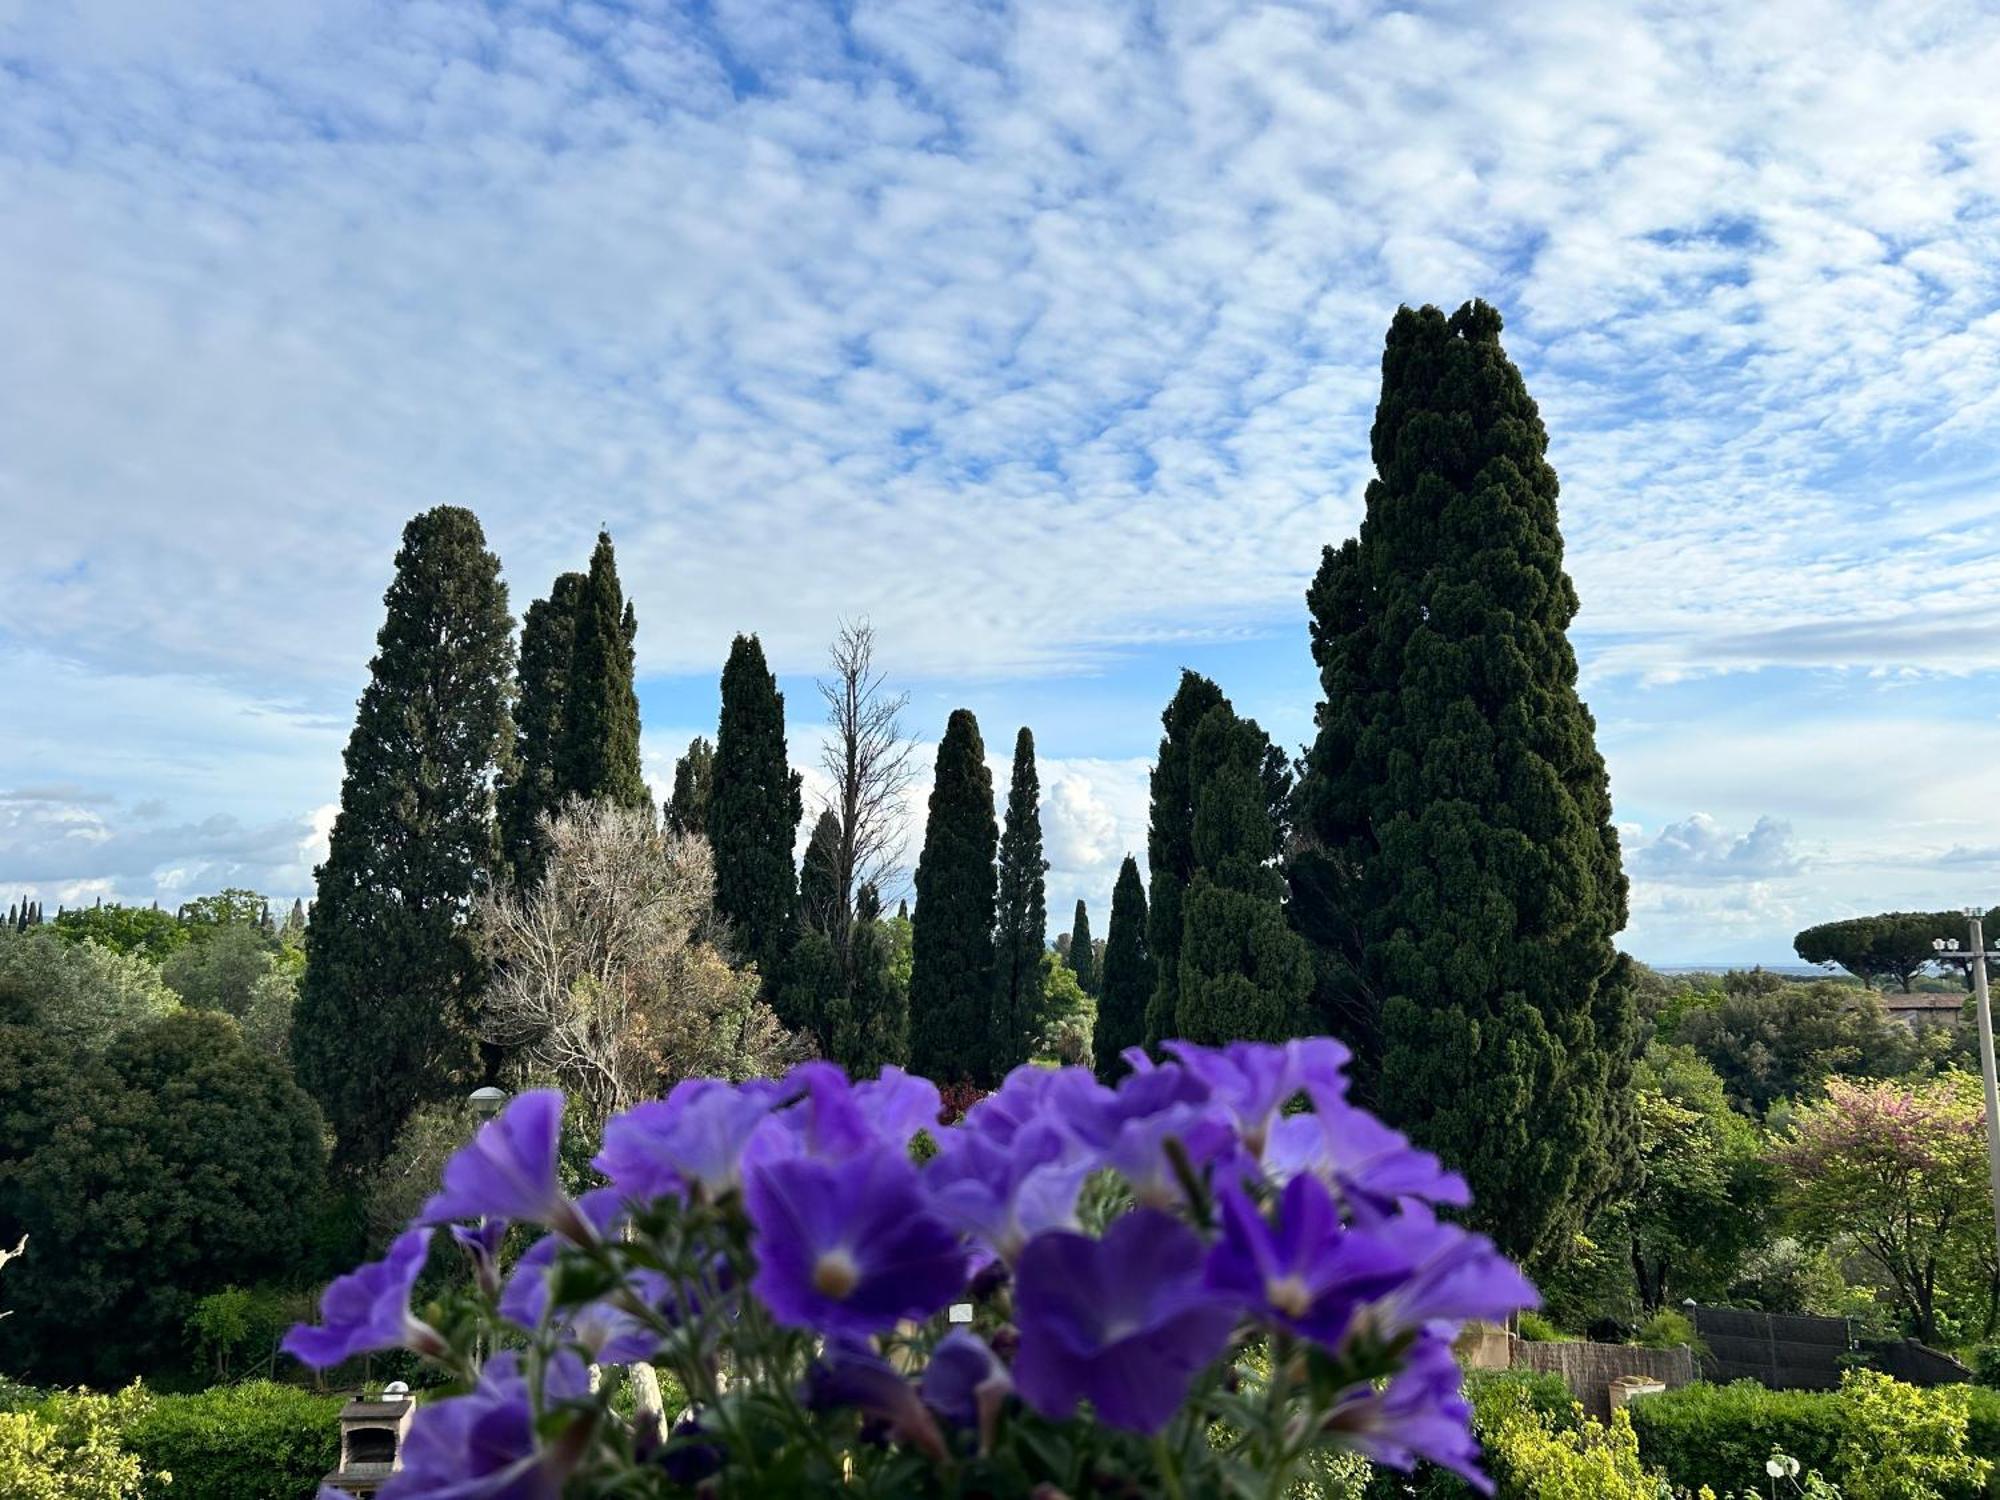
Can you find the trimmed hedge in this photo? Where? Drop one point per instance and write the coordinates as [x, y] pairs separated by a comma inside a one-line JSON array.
[[256, 1441], [1720, 1435]]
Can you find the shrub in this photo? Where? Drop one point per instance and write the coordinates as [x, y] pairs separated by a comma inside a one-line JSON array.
[[258, 1441], [1585, 1461], [1537, 1329], [1667, 1329], [1721, 1435], [241, 1327], [68, 1447], [1903, 1443]]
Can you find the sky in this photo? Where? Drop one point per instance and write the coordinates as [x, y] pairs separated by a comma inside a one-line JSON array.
[[1045, 336]]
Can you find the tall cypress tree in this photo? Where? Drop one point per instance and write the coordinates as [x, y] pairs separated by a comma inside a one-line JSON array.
[[528, 793], [1022, 916], [1170, 847], [1245, 975], [599, 757], [819, 875], [753, 811], [1082, 957], [951, 960], [1126, 982], [876, 1032], [1462, 866], [392, 973], [694, 782]]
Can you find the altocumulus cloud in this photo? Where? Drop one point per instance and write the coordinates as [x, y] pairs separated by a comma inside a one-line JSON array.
[[1698, 849]]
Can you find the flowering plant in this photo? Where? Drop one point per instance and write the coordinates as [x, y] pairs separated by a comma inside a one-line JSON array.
[[1183, 1285]]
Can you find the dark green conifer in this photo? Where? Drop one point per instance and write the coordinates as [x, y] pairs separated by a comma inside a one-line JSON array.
[[393, 971], [951, 964], [1170, 847], [1125, 985], [600, 729], [877, 1029], [1082, 956], [694, 782], [1461, 869], [819, 876], [528, 793], [753, 812], [1022, 917]]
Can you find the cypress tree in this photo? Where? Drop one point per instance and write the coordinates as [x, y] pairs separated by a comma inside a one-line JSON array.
[[1082, 957], [548, 643], [694, 782], [1022, 911], [819, 875], [1245, 975], [1170, 847], [599, 757], [877, 1027], [1125, 984], [951, 960], [812, 993], [753, 811], [393, 973], [1462, 868]]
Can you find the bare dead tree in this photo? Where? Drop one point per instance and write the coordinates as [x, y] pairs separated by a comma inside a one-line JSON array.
[[868, 761], [613, 973]]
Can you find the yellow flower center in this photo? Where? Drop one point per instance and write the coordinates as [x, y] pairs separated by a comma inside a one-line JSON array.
[[1289, 1295], [835, 1274]]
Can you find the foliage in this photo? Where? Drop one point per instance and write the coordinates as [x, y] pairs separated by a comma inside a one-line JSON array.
[[528, 791], [951, 968], [1898, 1174], [1668, 1328], [145, 931], [694, 785], [875, 1031], [1903, 1443], [256, 1441], [1021, 915], [1170, 857], [609, 980], [1769, 1039], [1068, 1016], [236, 1327], [398, 1186], [1081, 954], [176, 1164], [75, 993], [1537, 1329], [1893, 946], [1583, 1460], [753, 813], [1125, 982], [238, 970], [70, 1446], [599, 755], [386, 1012], [232, 907], [1458, 858]]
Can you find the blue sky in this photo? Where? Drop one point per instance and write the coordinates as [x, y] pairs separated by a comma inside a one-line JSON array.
[[1043, 334]]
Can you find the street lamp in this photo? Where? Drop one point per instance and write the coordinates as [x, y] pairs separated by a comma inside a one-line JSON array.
[[1947, 951], [486, 1101]]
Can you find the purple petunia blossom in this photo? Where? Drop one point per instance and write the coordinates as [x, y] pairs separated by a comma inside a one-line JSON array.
[[481, 1446], [966, 1384], [849, 1247], [1254, 1081], [1308, 1273], [1030, 1095], [508, 1171], [1139, 1150], [1361, 1158], [1003, 1195], [692, 1138], [1456, 1274], [1420, 1414], [897, 1105], [481, 1244], [524, 1300], [368, 1310], [1123, 1322], [850, 1373]]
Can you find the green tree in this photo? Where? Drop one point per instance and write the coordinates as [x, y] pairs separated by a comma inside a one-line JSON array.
[[144, 930], [1082, 954], [753, 811], [1022, 917], [385, 1013], [951, 962], [1126, 981], [235, 907], [1170, 847], [877, 1029], [1769, 1039], [172, 1166], [529, 791], [694, 782], [1245, 974], [600, 725], [812, 995], [77, 994], [1894, 947], [239, 972], [1456, 816]]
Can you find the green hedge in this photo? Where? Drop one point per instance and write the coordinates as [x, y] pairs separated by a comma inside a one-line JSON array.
[[1547, 1396], [256, 1441], [1720, 1436]]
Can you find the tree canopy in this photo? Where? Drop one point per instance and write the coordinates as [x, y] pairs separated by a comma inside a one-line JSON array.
[[1125, 983], [599, 755], [1021, 917], [1893, 947], [951, 964], [530, 791], [753, 812]]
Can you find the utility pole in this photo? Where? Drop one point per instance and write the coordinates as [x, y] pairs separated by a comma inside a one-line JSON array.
[[1978, 955]]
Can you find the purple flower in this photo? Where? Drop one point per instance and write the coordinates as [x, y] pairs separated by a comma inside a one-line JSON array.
[[849, 1246], [481, 1245], [1255, 1080], [368, 1309], [1002, 1195], [897, 1105], [481, 1446], [508, 1171], [692, 1454], [1309, 1273], [1420, 1414], [850, 1373], [693, 1137], [1360, 1156], [1139, 1150], [1123, 1322], [966, 1384], [524, 1300], [1029, 1095], [1455, 1274]]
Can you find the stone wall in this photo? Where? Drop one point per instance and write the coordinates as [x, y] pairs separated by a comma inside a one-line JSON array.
[[1589, 1369]]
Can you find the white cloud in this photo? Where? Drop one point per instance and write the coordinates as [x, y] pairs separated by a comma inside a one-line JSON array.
[[1700, 850]]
